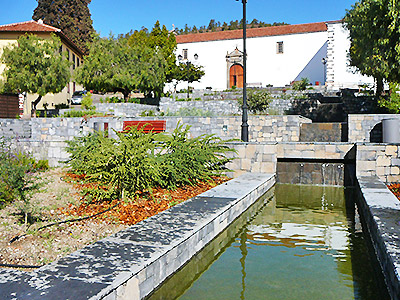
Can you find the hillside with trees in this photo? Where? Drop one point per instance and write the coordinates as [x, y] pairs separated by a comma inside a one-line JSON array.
[[214, 26]]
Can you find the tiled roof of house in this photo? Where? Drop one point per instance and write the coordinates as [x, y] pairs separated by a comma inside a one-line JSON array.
[[251, 32], [29, 26], [35, 27]]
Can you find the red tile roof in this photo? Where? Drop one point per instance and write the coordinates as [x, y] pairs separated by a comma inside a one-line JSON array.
[[251, 32], [35, 27], [31, 26]]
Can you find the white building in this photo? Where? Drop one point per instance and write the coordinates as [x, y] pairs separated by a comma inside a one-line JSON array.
[[276, 56]]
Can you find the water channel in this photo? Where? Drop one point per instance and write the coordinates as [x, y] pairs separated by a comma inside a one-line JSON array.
[[296, 242]]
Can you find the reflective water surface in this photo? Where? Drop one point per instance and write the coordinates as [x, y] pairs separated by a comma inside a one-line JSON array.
[[298, 242]]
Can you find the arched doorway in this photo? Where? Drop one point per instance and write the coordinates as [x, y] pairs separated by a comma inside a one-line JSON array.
[[236, 76]]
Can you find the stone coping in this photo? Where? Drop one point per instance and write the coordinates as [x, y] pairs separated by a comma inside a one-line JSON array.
[[381, 215], [133, 262]]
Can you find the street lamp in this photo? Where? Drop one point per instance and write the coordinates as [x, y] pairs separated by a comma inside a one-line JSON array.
[[324, 61], [245, 126], [188, 62]]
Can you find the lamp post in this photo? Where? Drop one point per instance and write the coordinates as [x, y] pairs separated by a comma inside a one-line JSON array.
[[245, 125], [324, 61], [188, 62]]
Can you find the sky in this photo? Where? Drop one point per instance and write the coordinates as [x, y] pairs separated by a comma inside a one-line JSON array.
[[121, 16]]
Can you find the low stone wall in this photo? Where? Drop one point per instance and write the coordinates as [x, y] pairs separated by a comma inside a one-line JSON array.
[[382, 160], [45, 137], [216, 107], [124, 109], [367, 128], [379, 210], [15, 128], [133, 262], [263, 157]]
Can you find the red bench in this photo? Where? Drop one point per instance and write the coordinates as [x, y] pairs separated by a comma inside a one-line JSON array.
[[155, 126]]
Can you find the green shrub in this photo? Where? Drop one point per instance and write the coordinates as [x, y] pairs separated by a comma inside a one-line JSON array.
[[392, 103], [301, 85], [17, 178], [138, 161], [147, 113], [258, 100], [81, 113], [188, 160], [61, 106], [87, 102]]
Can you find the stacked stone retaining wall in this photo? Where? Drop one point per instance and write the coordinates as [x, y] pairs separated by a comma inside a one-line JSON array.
[[367, 127], [45, 137]]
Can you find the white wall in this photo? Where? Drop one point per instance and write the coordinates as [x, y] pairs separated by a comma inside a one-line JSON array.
[[264, 65], [344, 75]]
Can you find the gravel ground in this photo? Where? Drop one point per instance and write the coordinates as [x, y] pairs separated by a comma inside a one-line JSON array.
[[44, 246]]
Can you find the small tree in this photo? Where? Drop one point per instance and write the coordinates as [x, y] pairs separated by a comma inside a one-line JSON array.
[[35, 65], [114, 66], [189, 72]]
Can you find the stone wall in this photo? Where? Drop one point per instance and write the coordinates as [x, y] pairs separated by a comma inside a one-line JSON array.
[[323, 132], [15, 128], [379, 160], [124, 109], [216, 107], [307, 172], [45, 137], [367, 128]]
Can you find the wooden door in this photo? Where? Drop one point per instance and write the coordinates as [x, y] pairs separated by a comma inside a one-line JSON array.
[[236, 76]]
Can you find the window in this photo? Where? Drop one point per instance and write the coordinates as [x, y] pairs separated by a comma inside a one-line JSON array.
[[185, 53], [73, 61], [279, 47], [60, 50], [68, 54], [77, 61]]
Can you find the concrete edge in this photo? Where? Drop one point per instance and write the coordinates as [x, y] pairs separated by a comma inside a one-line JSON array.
[[380, 212], [198, 238]]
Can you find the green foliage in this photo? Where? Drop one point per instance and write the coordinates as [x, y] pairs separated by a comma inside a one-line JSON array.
[[17, 181], [61, 106], [188, 160], [189, 72], [301, 85], [72, 17], [137, 161], [147, 113], [82, 113], [87, 102], [375, 33], [392, 103], [35, 66], [258, 100], [115, 66], [159, 40]]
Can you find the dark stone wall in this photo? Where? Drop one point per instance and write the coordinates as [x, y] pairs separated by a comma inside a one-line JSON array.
[[323, 132], [324, 173]]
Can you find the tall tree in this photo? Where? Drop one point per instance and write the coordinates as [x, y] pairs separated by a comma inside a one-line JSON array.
[[34, 65], [114, 66], [374, 27], [71, 16], [160, 40]]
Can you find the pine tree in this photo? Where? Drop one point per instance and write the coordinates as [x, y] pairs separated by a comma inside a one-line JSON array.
[[71, 16]]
